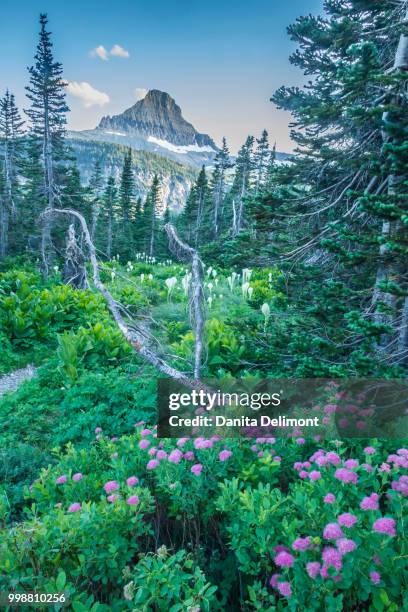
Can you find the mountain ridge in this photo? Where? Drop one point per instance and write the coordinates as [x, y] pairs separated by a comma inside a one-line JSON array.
[[157, 115]]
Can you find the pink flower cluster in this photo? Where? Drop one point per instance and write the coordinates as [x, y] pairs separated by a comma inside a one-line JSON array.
[[370, 502], [401, 485]]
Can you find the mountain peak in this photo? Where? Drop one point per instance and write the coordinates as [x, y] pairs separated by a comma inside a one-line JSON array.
[[157, 116]]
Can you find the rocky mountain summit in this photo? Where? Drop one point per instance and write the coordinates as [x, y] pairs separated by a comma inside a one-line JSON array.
[[157, 116], [155, 124]]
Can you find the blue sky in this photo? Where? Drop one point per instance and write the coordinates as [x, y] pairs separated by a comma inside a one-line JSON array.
[[220, 59]]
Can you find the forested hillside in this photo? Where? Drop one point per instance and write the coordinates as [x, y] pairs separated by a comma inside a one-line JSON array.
[[271, 269]]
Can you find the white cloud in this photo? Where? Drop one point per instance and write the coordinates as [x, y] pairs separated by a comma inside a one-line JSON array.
[[119, 51], [100, 52], [87, 94], [140, 93]]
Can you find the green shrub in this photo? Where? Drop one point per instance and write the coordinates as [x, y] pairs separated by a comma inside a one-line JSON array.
[[169, 583]]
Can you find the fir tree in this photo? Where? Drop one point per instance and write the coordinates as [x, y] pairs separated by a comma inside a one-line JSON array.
[[127, 187], [95, 193], [10, 133], [351, 170], [151, 208], [126, 203], [47, 115], [138, 230], [261, 159], [196, 214], [105, 228], [222, 163], [242, 183]]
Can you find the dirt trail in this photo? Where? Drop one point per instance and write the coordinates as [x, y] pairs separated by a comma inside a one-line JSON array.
[[11, 382]]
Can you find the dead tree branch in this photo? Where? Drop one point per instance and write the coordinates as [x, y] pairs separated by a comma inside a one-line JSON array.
[[131, 333], [184, 252]]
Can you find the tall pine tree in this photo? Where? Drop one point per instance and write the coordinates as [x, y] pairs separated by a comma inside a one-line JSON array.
[[11, 153], [47, 115]]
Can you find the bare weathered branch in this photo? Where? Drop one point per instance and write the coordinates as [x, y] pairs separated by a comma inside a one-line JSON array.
[[184, 252], [132, 334]]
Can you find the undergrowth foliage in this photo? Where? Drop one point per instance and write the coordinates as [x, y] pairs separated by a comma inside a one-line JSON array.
[[94, 504]]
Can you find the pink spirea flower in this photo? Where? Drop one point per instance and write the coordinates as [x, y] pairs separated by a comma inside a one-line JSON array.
[[401, 485], [284, 559], [297, 465], [143, 444], [346, 475], [385, 525], [77, 477], [74, 507], [224, 455], [112, 498], [152, 464], [189, 456], [370, 503], [329, 498], [301, 543], [313, 568], [303, 474], [315, 475], [198, 442], [145, 432], [61, 479], [345, 545], [132, 481], [384, 467], [375, 577], [274, 580], [175, 456], [367, 467], [369, 450], [318, 453], [300, 441], [161, 454], [351, 463], [196, 469], [332, 531], [98, 430], [261, 454], [333, 458], [331, 556], [330, 408], [285, 589], [346, 519], [110, 486], [133, 500], [181, 441]]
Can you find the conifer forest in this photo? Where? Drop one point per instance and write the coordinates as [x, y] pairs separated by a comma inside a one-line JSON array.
[[128, 256]]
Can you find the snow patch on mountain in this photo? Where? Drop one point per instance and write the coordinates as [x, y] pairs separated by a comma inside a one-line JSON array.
[[194, 148], [115, 133]]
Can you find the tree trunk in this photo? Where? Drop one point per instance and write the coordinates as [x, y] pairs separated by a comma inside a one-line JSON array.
[[197, 299], [132, 333], [385, 314], [74, 272], [49, 188], [4, 225]]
